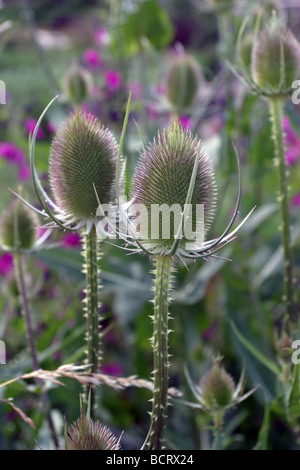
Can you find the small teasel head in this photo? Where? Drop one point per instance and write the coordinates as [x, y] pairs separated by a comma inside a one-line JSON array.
[[18, 227], [183, 81], [77, 84], [83, 168], [276, 59], [217, 387], [86, 434], [161, 183]]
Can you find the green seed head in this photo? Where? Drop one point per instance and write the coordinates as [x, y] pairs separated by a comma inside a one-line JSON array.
[[222, 6], [83, 158], [162, 180], [245, 52], [183, 81], [85, 434], [77, 84], [276, 59], [18, 226], [217, 387]]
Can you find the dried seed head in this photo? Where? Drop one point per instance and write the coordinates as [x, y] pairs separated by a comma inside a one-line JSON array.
[[18, 226], [83, 156], [183, 81], [162, 178], [217, 387], [77, 84], [85, 434], [276, 59]]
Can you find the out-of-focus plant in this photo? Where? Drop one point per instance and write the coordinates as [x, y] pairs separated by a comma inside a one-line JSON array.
[[270, 70], [18, 236]]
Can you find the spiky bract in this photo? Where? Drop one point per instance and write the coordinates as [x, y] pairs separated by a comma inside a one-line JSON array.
[[83, 163], [217, 387], [162, 180], [18, 227], [275, 59], [86, 434], [183, 82]]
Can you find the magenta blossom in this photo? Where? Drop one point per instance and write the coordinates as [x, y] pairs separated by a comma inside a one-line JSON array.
[[30, 124], [113, 80], [12, 153], [296, 200], [186, 122], [92, 59], [24, 173], [71, 240], [6, 264], [101, 37], [113, 368], [292, 142]]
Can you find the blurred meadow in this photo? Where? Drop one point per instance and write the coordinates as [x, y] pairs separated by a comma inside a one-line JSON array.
[[231, 307]]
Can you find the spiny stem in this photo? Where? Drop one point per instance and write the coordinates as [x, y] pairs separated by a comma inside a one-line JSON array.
[[276, 114], [91, 269], [30, 335], [160, 352]]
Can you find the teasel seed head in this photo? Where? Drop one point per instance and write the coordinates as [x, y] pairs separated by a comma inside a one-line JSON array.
[[183, 81], [18, 227], [275, 59], [83, 166], [86, 434], [77, 84], [163, 177], [217, 387]]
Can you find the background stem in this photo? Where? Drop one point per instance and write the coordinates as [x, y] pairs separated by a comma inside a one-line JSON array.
[[30, 335], [160, 352], [276, 114]]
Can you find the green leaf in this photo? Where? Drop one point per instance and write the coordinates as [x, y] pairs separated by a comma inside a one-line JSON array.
[[262, 441], [292, 398], [255, 352]]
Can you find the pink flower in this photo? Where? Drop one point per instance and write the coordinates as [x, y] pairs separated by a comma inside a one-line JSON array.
[[12, 153], [292, 142], [112, 368], [113, 80], [24, 173], [92, 59], [6, 264], [186, 122], [71, 240], [296, 200], [30, 124], [101, 37]]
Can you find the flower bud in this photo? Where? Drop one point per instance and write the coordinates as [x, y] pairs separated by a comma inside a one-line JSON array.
[[276, 59], [18, 226], [162, 178], [183, 81], [85, 434], [83, 163], [77, 84], [217, 388]]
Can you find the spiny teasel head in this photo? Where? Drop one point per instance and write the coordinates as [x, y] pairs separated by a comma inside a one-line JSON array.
[[77, 84], [183, 81], [18, 227], [163, 177], [275, 59], [217, 387], [86, 434], [83, 167]]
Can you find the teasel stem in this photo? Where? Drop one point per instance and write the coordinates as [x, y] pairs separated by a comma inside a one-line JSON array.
[[160, 351], [276, 113], [20, 279], [91, 253]]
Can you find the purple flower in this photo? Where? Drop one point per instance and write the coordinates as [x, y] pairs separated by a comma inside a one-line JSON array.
[[92, 59], [12, 153], [296, 200], [113, 80], [292, 142], [112, 368], [24, 173], [30, 124], [186, 122], [101, 37], [71, 240], [6, 264]]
